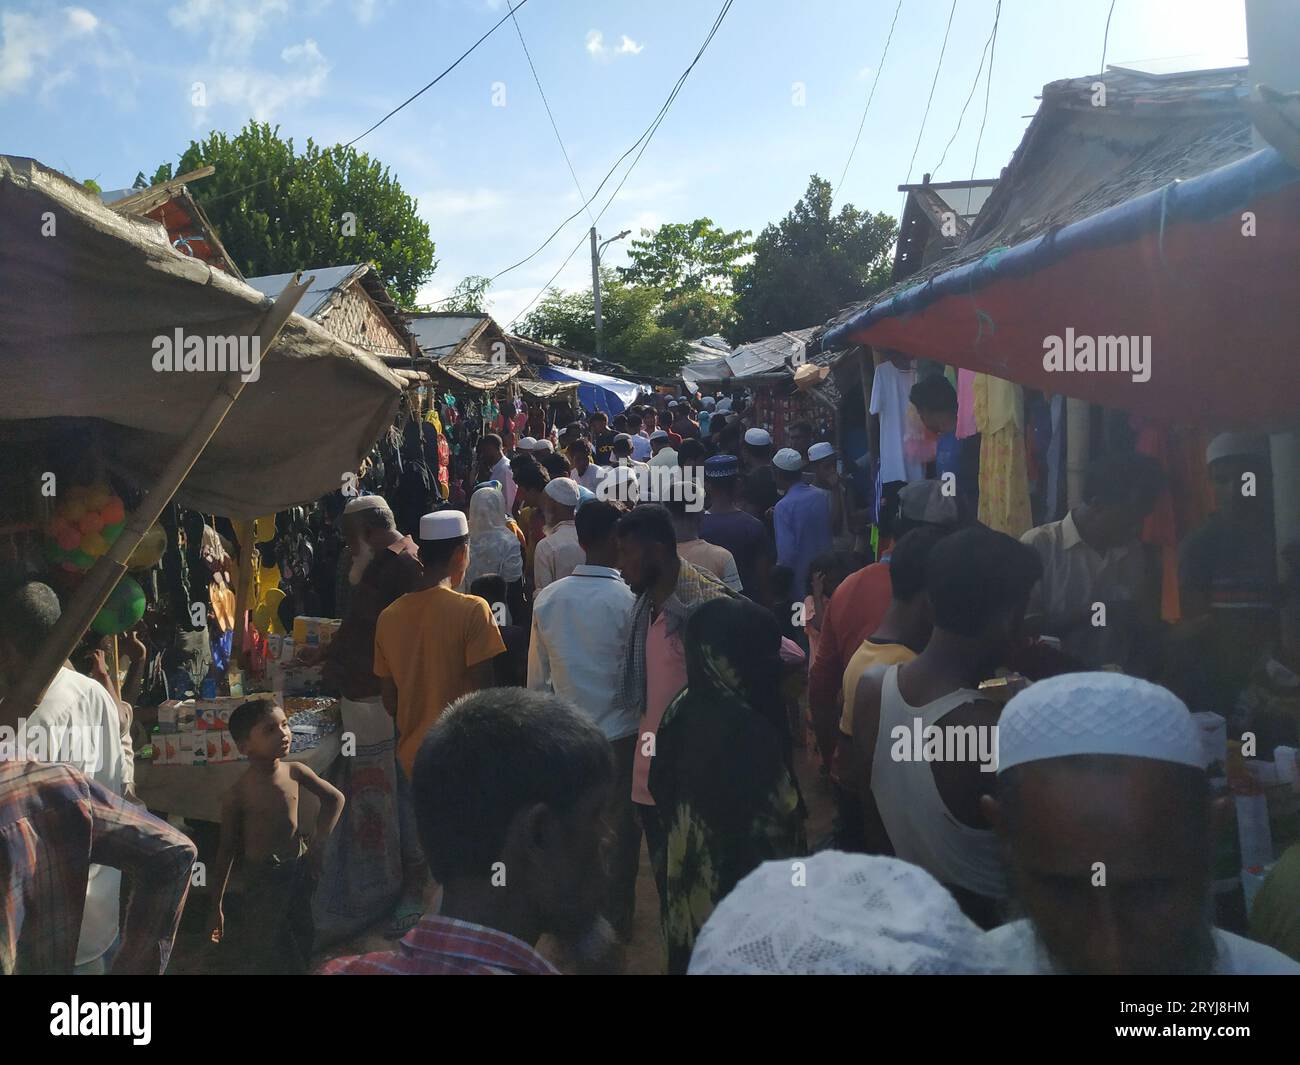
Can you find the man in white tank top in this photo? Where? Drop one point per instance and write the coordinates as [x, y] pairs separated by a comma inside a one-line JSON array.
[[927, 738]]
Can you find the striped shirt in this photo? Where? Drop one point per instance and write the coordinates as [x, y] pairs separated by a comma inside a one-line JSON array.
[[54, 823], [444, 946]]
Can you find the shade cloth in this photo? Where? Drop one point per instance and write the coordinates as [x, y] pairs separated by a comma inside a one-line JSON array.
[[80, 312], [1175, 265], [596, 391]]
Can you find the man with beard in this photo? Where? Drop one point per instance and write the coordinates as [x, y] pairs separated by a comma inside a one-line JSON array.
[[511, 788], [385, 566], [654, 661], [1104, 808]]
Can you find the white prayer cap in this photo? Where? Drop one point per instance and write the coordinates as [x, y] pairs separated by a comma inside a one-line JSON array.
[[724, 405], [1228, 445], [543, 445], [666, 457], [620, 438], [564, 490], [526, 443], [443, 525], [1097, 713], [821, 450], [659, 434], [707, 401], [843, 914], [368, 502], [757, 437], [788, 459]]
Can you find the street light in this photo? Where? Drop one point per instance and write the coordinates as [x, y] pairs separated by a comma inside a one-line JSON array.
[[596, 251]]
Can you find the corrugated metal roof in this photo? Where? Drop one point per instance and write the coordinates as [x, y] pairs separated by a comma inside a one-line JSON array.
[[1076, 160], [438, 334], [326, 280], [769, 353]]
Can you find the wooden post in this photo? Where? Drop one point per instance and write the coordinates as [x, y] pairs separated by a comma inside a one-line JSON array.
[[104, 575]]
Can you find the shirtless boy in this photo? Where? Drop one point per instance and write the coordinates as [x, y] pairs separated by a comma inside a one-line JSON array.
[[259, 823]]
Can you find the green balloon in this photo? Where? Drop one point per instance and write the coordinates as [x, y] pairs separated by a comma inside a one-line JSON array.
[[81, 559], [124, 608], [112, 532]]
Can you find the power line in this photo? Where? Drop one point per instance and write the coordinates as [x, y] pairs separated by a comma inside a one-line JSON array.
[[510, 13], [409, 99], [1105, 40], [988, 84], [920, 133], [973, 85], [546, 103], [640, 141], [644, 140], [870, 96]]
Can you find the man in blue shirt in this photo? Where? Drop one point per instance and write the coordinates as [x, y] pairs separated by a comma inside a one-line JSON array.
[[802, 520]]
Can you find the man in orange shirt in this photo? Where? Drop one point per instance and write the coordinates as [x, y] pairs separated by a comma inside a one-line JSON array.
[[435, 645]]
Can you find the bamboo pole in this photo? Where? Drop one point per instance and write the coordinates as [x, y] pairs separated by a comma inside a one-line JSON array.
[[104, 575], [243, 590]]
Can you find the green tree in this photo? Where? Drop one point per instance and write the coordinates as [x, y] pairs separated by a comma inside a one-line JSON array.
[[812, 263], [276, 210], [630, 333], [698, 313], [468, 297], [685, 256]]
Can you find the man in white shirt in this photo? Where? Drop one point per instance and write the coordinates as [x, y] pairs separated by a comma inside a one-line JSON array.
[[580, 625], [1105, 811], [639, 437], [77, 722], [1096, 594], [494, 466], [584, 471], [558, 552]]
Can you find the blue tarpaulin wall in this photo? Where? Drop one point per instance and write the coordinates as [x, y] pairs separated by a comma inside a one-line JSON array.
[[596, 391]]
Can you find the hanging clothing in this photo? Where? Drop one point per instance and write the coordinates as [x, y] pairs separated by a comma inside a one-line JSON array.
[[901, 432], [493, 545], [1004, 475], [966, 404]]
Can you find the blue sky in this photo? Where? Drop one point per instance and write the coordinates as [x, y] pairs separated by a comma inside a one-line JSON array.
[[103, 90]]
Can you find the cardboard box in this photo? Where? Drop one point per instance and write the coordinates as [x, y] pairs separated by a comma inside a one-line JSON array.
[[167, 748]]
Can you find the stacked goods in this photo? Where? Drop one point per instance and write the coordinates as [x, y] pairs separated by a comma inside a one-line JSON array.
[[196, 732]]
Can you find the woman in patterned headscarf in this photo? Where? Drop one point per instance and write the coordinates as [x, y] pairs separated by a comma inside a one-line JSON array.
[[722, 777]]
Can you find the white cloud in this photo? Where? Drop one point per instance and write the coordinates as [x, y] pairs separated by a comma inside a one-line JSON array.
[[598, 49], [365, 10], [231, 27], [56, 46], [262, 94]]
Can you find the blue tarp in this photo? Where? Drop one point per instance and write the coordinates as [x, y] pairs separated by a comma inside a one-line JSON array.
[[596, 391]]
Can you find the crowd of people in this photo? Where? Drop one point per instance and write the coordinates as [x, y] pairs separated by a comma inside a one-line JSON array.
[[660, 630]]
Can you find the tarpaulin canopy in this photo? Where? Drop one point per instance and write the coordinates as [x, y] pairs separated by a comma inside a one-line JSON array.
[[1141, 220], [596, 391], [1182, 272], [90, 299]]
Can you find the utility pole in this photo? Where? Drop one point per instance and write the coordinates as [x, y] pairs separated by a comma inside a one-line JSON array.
[[595, 285], [595, 275]]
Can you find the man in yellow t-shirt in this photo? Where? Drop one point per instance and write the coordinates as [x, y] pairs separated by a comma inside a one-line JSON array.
[[903, 632], [434, 645]]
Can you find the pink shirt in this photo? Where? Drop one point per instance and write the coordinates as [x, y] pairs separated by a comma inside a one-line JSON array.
[[665, 667]]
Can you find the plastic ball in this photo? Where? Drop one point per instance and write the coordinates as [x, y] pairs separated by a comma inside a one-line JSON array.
[[148, 551], [81, 560], [112, 532], [73, 511], [113, 511], [125, 607], [90, 523], [69, 540], [98, 495], [94, 545]]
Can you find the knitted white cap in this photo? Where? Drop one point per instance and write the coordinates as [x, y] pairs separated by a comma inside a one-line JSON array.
[[1097, 713], [837, 913]]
